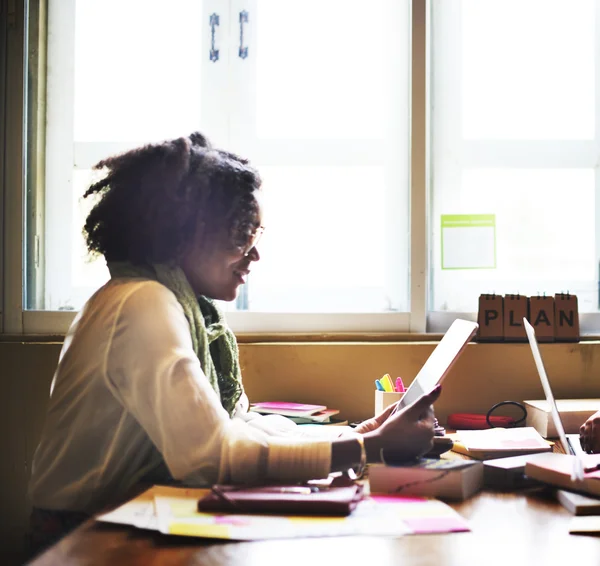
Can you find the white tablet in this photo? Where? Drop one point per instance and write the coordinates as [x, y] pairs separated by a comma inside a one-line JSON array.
[[440, 361]]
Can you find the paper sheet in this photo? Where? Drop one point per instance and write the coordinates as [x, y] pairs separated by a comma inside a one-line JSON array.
[[172, 510], [468, 241], [585, 525], [139, 512]]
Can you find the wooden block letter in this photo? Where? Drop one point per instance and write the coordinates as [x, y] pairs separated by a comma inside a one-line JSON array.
[[490, 318], [566, 318], [541, 317], [515, 308]]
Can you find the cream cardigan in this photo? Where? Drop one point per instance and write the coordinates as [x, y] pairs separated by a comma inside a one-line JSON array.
[[129, 388]]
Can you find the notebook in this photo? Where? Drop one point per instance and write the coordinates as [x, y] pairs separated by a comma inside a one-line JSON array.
[[440, 361], [286, 409], [570, 442]]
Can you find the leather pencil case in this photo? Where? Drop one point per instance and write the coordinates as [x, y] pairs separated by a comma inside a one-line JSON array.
[[284, 499], [469, 421]]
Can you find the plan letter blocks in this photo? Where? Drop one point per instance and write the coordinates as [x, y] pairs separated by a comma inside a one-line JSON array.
[[490, 318], [555, 318]]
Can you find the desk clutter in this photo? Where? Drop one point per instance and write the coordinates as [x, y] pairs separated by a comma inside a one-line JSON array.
[[555, 319], [395, 499]]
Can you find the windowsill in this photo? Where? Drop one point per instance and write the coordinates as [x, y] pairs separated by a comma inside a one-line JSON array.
[[286, 337]]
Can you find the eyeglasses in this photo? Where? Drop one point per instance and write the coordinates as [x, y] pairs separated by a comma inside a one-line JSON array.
[[254, 240]]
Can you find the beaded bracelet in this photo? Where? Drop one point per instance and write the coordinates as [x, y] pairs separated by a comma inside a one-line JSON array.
[[357, 473]]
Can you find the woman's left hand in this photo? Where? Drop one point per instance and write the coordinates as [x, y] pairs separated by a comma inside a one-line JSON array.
[[375, 422]]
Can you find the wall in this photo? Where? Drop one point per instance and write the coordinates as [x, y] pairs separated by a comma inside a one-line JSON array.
[[336, 374]]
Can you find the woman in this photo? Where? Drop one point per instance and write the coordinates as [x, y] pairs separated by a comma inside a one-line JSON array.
[[148, 386]]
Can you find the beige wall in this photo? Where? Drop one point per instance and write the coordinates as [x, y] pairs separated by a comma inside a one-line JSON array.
[[337, 374]]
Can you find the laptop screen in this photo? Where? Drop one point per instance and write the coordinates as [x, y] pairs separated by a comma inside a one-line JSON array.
[[537, 356]]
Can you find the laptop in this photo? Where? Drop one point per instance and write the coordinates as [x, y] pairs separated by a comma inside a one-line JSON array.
[[570, 442], [440, 361]]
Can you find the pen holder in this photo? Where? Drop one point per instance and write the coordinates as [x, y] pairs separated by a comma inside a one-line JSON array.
[[384, 399]]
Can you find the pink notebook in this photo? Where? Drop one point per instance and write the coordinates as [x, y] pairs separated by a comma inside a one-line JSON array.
[[286, 409]]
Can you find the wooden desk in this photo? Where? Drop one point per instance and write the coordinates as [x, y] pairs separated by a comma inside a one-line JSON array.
[[507, 529]]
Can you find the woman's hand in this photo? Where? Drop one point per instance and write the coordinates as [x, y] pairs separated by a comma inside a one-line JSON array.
[[589, 434], [406, 434], [375, 422]]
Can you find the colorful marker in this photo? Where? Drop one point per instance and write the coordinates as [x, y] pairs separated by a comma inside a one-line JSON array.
[[386, 381], [400, 385], [378, 385]]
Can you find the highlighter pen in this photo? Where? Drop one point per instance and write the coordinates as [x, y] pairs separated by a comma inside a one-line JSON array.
[[378, 385], [386, 381], [400, 385]]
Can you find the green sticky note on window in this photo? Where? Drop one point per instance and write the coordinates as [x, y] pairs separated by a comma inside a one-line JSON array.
[[468, 241]]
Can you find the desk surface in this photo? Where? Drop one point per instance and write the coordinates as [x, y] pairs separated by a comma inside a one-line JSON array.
[[508, 529]]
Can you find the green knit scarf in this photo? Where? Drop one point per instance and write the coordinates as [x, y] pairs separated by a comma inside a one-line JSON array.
[[214, 343]]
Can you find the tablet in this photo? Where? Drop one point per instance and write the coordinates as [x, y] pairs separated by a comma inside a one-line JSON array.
[[440, 361]]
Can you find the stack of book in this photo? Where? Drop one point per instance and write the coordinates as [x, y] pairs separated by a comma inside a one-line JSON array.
[[300, 413]]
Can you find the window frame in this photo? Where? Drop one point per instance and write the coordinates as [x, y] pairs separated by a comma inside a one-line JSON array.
[[13, 189]]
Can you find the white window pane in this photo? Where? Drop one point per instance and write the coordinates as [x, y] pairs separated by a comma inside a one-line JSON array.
[[137, 69], [324, 245], [545, 236], [323, 68], [528, 69], [337, 208], [72, 274], [87, 272]]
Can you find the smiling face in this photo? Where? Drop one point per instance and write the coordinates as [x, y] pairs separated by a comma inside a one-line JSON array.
[[217, 265]]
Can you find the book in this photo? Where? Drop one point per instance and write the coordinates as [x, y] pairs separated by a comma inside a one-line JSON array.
[[445, 479], [507, 474], [318, 417], [499, 442], [573, 413], [585, 525], [578, 504], [286, 409], [556, 469], [330, 422]]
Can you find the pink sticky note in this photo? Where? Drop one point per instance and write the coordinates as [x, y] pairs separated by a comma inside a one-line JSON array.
[[397, 499], [423, 525]]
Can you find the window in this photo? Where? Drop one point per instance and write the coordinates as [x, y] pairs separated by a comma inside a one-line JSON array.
[[318, 102], [414, 154], [515, 137]]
